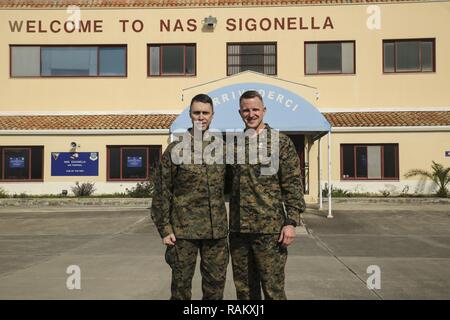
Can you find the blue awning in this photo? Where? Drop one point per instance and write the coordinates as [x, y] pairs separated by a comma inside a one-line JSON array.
[[286, 111]]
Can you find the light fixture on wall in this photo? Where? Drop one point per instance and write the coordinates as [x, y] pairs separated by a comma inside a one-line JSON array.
[[74, 146], [210, 22], [73, 150]]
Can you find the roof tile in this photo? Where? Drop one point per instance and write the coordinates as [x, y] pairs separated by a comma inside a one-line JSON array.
[[86, 122], [163, 121], [388, 119]]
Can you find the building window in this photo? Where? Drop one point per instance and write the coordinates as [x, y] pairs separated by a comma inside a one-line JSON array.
[[172, 60], [21, 163], [408, 55], [68, 61], [132, 162], [259, 57], [369, 162], [330, 57]]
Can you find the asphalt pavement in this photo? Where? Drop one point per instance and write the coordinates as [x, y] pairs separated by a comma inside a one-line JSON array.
[[376, 251]]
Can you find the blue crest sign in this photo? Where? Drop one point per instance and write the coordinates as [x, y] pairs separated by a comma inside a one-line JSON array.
[[286, 110], [74, 163]]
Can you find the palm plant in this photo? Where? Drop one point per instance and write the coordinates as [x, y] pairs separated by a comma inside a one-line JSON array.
[[439, 175]]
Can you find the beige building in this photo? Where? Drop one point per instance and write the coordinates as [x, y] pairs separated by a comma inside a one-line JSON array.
[[89, 91]]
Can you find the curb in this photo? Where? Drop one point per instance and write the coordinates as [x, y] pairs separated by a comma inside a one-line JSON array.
[[391, 200], [76, 202], [146, 202]]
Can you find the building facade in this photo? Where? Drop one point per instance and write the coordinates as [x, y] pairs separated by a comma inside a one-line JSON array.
[[89, 89]]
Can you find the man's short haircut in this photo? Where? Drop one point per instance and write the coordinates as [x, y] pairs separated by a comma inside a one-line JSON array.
[[250, 94], [204, 98]]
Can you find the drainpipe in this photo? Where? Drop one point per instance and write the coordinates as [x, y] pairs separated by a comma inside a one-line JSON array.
[[329, 175]]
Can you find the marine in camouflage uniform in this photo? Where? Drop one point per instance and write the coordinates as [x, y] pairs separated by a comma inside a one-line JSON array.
[[189, 203], [260, 206]]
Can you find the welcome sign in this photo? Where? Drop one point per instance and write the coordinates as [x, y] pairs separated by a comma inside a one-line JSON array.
[[286, 110], [134, 162], [74, 163], [17, 162]]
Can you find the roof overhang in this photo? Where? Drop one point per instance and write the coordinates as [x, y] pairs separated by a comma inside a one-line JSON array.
[[287, 110]]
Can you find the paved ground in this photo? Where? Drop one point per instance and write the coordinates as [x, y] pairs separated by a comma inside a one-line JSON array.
[[121, 257]]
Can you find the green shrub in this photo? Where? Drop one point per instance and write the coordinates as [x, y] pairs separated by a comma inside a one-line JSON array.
[[83, 190], [438, 174], [3, 193], [22, 195], [142, 190], [335, 192]]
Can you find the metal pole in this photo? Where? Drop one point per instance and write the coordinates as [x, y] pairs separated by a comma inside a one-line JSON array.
[[329, 175], [320, 176]]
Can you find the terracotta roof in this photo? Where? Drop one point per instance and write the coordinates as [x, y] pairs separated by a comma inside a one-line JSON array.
[[163, 121], [389, 119], [86, 122], [173, 3]]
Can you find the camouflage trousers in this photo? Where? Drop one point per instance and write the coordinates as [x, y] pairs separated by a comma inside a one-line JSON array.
[[258, 259], [182, 258]]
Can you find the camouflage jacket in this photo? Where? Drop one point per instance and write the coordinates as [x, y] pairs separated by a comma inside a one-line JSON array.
[[189, 200], [264, 203]]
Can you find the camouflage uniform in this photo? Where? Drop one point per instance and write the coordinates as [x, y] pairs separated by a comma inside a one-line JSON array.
[[260, 206], [189, 202]]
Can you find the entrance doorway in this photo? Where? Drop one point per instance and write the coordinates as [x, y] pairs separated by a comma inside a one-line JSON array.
[[299, 143]]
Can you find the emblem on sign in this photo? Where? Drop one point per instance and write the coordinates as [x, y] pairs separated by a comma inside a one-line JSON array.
[[93, 156]]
